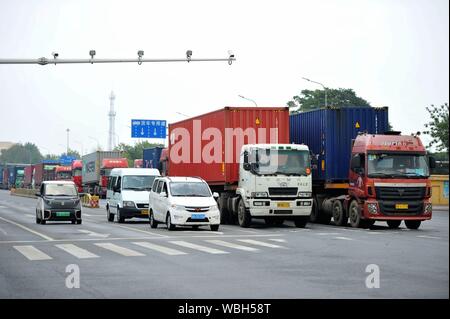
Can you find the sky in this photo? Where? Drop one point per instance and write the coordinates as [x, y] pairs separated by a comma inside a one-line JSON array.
[[391, 52]]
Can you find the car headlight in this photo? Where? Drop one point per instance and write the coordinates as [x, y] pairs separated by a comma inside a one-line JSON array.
[[128, 204], [259, 194], [177, 207], [305, 194], [372, 208], [214, 207]]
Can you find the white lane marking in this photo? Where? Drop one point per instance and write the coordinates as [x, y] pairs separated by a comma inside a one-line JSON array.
[[230, 245], [119, 250], [343, 238], [203, 232], [76, 251], [259, 243], [327, 234], [161, 249], [429, 237], [94, 234], [3, 231], [27, 229], [32, 253], [141, 231], [2, 206], [198, 247], [278, 240], [31, 216], [88, 215], [375, 232]]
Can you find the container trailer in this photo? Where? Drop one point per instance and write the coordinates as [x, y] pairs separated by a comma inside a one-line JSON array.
[[77, 166], [151, 157]]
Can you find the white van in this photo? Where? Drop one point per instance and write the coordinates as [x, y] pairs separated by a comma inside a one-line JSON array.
[[128, 191]]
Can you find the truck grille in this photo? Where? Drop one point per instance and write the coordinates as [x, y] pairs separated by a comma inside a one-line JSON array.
[[283, 191], [388, 208], [400, 193]]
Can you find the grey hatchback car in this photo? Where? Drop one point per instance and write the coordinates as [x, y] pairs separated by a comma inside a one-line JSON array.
[[58, 201]]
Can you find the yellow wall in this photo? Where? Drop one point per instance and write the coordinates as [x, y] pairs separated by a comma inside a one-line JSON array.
[[440, 189]]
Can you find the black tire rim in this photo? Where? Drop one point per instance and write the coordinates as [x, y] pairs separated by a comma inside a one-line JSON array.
[[337, 214], [354, 214]]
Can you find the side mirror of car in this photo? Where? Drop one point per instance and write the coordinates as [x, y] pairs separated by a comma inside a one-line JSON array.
[[163, 194], [116, 189], [216, 195]]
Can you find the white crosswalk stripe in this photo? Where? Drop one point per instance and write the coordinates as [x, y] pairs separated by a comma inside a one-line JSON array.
[[76, 251], [119, 250], [162, 249], [231, 245], [198, 247], [259, 243], [32, 253]]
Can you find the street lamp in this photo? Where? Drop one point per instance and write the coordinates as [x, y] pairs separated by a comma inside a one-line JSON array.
[[246, 98], [324, 87], [182, 114], [67, 130]]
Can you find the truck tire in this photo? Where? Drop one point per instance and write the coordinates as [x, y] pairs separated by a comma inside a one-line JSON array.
[[393, 224], [151, 220], [354, 214], [119, 218], [244, 217], [412, 224], [225, 214], [301, 221], [317, 216], [169, 224], [340, 218], [109, 216]]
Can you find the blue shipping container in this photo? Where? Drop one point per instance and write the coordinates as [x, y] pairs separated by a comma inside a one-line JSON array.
[[151, 157], [329, 134]]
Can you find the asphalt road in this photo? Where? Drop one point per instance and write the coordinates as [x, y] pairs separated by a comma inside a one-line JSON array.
[[133, 261]]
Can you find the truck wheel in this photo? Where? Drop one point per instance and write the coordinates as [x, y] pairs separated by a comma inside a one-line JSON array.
[[393, 224], [301, 221], [412, 224], [317, 216], [355, 215], [169, 224], [109, 216], [151, 219], [43, 222], [339, 216], [225, 217], [244, 217], [214, 227], [79, 222], [119, 218]]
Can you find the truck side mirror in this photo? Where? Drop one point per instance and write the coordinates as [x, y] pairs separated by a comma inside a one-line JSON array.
[[432, 162], [246, 166], [355, 163]]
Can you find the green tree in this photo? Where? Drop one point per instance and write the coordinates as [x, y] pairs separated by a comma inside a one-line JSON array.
[[73, 153], [27, 153], [437, 128], [132, 152]]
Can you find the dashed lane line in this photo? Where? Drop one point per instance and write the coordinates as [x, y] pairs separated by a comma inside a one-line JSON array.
[[76, 251]]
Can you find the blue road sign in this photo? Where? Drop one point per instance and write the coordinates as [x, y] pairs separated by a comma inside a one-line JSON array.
[[148, 128], [66, 160]]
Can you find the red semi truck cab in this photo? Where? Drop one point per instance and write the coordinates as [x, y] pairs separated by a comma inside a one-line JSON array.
[[105, 170], [63, 173], [77, 167], [389, 180]]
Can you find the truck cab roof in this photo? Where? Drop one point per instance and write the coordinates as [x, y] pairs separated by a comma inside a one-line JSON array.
[[391, 143]]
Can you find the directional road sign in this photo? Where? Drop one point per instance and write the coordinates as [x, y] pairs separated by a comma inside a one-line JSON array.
[[148, 128]]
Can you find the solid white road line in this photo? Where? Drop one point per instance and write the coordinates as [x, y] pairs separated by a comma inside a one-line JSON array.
[[327, 234], [231, 245], [27, 229], [161, 249], [279, 240], [119, 250], [198, 247], [429, 237], [259, 243], [76, 251], [32, 253], [140, 230], [343, 238]]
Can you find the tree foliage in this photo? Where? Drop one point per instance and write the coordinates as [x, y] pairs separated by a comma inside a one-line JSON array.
[[309, 100], [132, 152], [27, 153], [437, 128]]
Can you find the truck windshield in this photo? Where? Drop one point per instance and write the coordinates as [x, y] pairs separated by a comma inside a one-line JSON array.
[[397, 165], [137, 182], [60, 190], [279, 161], [64, 175], [76, 172], [189, 189]]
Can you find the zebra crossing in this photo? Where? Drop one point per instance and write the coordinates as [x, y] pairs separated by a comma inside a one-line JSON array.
[[170, 248]]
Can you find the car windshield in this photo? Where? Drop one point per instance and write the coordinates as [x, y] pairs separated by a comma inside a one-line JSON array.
[[279, 161], [60, 190], [190, 189], [137, 182], [397, 165]]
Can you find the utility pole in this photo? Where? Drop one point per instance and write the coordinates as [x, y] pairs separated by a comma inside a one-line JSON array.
[[112, 118], [67, 152]]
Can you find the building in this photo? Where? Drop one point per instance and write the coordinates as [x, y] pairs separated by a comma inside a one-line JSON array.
[[5, 146]]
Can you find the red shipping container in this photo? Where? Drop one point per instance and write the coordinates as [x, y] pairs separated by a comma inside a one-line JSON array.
[[28, 176], [262, 122]]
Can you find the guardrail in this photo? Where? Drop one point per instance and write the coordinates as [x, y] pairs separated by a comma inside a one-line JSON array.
[[24, 192], [90, 201]]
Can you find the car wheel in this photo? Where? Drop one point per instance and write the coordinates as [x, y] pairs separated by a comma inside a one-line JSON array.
[[214, 227], [38, 221], [151, 219], [301, 221], [73, 222], [339, 216], [393, 224], [79, 222], [109, 216], [169, 224], [412, 224], [244, 217], [119, 218]]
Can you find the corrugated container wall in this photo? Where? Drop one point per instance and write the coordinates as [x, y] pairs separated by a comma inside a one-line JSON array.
[[151, 157], [329, 134], [219, 172], [92, 163]]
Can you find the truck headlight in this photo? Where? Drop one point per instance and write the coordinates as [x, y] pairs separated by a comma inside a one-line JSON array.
[[260, 194], [128, 204], [372, 208], [428, 208], [305, 194]]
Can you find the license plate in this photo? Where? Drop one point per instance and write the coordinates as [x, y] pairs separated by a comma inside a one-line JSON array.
[[283, 205], [401, 206], [198, 216], [63, 214], [144, 212]]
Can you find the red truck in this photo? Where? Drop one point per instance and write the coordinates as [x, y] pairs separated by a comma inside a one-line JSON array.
[[28, 176], [63, 173], [77, 167], [138, 163], [43, 172]]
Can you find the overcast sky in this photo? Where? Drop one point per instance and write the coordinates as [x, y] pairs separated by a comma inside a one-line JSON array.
[[393, 52]]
